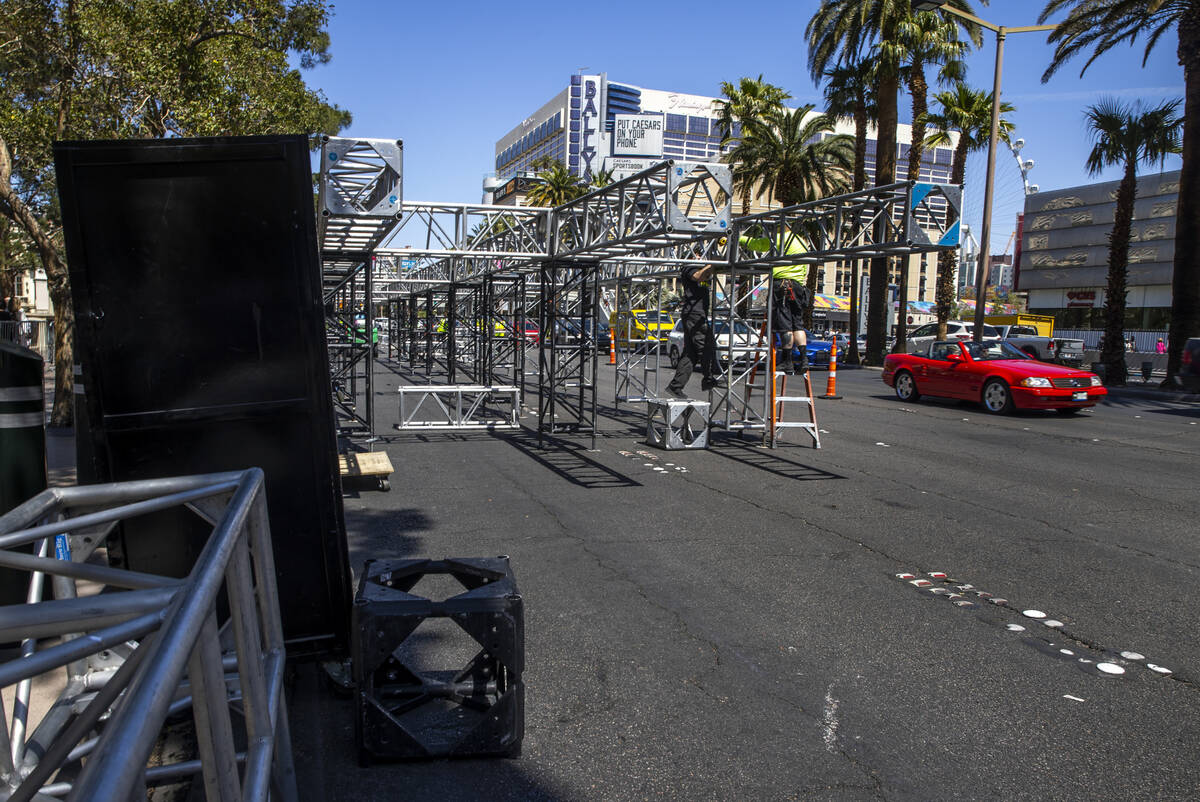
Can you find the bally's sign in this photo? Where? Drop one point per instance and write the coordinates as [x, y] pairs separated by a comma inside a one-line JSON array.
[[637, 135]]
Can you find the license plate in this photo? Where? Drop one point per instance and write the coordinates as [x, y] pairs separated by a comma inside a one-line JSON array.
[[1081, 396]]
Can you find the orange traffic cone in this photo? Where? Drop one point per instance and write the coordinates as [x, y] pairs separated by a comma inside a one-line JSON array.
[[831, 384], [612, 350]]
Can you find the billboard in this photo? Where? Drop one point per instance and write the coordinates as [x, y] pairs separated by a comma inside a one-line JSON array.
[[637, 135]]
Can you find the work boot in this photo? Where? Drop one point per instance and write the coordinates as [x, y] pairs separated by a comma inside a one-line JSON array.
[[783, 360], [801, 365], [710, 383]]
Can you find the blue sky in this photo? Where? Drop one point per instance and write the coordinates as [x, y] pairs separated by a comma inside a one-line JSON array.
[[450, 78]]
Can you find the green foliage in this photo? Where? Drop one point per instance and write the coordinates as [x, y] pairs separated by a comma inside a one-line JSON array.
[[1125, 135], [557, 185], [98, 69], [786, 153]]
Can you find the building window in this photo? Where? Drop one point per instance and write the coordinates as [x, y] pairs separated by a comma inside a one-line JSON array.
[[676, 122]]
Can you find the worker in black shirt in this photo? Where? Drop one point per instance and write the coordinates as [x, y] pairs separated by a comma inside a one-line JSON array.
[[699, 345]]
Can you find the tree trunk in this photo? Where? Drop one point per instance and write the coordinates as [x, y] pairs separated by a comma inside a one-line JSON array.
[[885, 173], [948, 260], [917, 88], [1113, 352], [860, 181], [1185, 282], [15, 209]]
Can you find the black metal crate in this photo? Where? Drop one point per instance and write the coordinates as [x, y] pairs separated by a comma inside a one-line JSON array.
[[438, 675]]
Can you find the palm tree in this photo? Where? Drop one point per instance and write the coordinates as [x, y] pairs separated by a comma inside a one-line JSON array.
[[557, 185], [751, 99], [924, 38], [849, 94], [1125, 137], [1100, 25], [797, 160], [838, 33], [969, 112]]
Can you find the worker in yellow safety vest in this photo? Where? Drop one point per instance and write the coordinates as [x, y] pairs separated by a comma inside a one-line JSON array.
[[790, 298]]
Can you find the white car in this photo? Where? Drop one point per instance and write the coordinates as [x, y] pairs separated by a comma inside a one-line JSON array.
[[921, 337], [745, 339]]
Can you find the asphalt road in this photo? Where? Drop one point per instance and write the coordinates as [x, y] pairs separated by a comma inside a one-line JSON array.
[[735, 626]]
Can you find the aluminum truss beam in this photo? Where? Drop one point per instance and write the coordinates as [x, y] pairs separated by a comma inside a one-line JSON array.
[[359, 203], [125, 653]]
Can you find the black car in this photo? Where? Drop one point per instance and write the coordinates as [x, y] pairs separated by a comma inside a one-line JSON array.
[[568, 331]]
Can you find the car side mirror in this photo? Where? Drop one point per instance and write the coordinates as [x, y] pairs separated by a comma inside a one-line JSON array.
[[955, 356]]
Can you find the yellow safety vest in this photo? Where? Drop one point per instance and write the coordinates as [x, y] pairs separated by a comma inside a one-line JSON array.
[[791, 245]]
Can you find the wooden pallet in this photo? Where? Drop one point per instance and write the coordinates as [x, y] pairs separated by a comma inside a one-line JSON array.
[[372, 463]]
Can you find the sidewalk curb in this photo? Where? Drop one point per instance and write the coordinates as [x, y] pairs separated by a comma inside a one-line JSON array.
[[1153, 394]]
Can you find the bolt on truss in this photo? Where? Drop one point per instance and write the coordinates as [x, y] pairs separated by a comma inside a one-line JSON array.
[[126, 651]]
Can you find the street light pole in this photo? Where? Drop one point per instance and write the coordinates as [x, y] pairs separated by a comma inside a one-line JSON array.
[[985, 241]]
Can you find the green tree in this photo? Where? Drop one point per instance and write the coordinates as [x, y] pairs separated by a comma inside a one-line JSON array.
[[923, 39], [849, 95], [839, 33], [1125, 137], [1100, 25], [797, 159], [969, 112], [100, 69], [556, 185], [751, 99]]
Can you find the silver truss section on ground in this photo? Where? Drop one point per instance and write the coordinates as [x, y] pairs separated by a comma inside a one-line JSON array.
[[147, 647], [669, 203], [457, 407]]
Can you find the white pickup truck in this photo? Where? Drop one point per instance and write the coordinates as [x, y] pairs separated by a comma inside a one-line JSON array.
[[1048, 349]]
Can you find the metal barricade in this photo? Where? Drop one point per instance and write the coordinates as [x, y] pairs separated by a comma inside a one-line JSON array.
[[126, 653]]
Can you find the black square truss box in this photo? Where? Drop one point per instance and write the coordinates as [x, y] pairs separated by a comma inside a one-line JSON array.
[[410, 708]]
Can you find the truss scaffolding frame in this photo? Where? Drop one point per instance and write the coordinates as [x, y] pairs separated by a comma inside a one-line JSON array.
[[460, 293]]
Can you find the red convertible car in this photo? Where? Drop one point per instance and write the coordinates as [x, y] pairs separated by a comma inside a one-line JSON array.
[[996, 374]]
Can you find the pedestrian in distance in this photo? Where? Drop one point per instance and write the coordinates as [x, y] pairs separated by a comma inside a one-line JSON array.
[[1160, 347], [699, 344], [1132, 344]]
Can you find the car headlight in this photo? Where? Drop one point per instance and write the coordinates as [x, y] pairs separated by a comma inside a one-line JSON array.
[[1036, 381], [1096, 381]]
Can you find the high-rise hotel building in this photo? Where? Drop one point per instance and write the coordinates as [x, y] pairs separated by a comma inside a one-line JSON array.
[[595, 124]]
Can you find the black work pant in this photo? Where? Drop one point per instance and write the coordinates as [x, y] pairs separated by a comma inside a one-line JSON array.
[[699, 350]]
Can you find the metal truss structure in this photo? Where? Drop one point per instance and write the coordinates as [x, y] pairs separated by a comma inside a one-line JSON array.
[[460, 294], [136, 648], [358, 205]]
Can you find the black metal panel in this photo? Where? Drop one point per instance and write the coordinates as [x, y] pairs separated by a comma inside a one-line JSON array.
[[197, 293]]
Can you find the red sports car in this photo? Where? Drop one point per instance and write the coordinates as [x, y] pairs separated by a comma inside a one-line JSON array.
[[994, 373]]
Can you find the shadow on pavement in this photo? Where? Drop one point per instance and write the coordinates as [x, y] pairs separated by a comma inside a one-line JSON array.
[[566, 460], [764, 459]]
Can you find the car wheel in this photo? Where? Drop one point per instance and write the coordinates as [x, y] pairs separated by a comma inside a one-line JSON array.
[[674, 357], [997, 398], [906, 387]]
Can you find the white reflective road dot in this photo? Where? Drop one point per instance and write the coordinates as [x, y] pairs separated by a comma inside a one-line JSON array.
[[1159, 669], [1133, 656], [1015, 628], [1050, 622], [1066, 652], [1110, 668], [1033, 614]]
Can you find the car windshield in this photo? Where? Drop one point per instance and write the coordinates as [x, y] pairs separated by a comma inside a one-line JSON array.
[[984, 352], [722, 327], [653, 317]]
